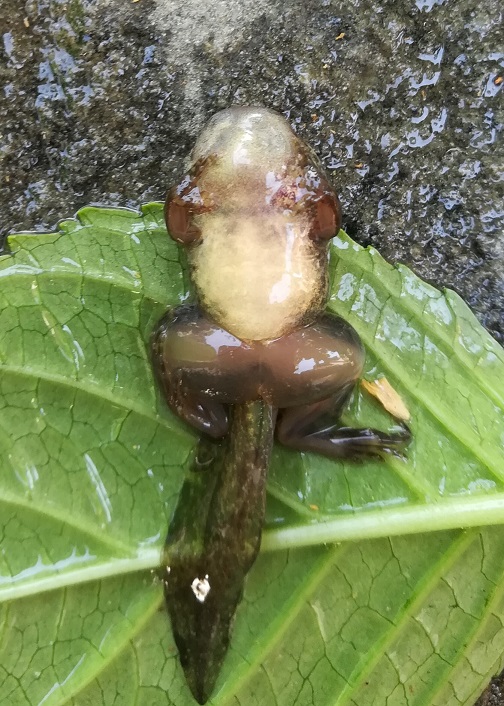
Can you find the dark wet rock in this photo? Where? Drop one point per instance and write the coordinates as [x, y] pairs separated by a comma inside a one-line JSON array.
[[102, 101], [494, 695]]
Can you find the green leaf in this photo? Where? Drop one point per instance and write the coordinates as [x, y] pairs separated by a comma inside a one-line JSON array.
[[92, 462]]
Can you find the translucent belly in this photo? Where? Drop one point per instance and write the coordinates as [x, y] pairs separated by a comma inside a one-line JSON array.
[[258, 278]]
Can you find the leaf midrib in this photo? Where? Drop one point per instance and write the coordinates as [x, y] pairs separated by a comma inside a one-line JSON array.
[[446, 514]]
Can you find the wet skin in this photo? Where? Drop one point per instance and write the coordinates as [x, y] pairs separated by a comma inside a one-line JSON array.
[[257, 356]]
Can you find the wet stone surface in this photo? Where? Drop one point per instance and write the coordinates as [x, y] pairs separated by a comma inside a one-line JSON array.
[[402, 100], [494, 695]]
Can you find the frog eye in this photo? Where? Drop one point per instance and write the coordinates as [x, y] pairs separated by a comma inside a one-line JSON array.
[[326, 217], [179, 223], [179, 212]]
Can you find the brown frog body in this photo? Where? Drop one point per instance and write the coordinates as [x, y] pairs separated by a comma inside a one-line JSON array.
[[257, 356]]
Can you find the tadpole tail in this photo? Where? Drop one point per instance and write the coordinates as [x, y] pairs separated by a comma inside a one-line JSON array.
[[213, 540]]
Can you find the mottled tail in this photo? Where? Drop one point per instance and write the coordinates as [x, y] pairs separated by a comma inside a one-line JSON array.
[[213, 540]]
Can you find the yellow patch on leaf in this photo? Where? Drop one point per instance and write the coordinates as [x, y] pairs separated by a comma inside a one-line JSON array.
[[388, 398]]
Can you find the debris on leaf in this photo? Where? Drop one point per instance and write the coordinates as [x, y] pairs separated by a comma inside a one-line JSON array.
[[388, 398]]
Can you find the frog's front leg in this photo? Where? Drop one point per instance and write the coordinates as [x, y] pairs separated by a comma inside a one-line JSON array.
[[313, 372]]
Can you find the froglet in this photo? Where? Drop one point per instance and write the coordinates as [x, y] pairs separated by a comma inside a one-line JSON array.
[[256, 357]]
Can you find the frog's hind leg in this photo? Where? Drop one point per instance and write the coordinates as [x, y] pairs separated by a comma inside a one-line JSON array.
[[316, 428], [317, 368], [200, 367]]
